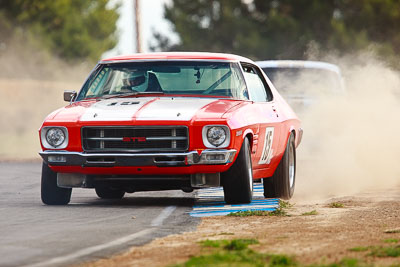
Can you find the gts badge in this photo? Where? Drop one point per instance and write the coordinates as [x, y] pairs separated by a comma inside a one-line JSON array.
[[134, 139], [267, 150]]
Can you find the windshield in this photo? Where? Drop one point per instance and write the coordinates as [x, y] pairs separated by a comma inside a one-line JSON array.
[[304, 82], [165, 77]]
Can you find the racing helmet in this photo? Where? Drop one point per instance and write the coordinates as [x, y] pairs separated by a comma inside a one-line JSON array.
[[137, 80]]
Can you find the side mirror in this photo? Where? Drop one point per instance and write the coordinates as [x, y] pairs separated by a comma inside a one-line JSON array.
[[69, 96]]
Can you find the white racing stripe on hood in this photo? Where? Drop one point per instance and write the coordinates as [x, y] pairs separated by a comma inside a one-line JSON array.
[[117, 109], [181, 109]]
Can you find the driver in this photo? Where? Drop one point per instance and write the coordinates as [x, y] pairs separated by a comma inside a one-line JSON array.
[[136, 81]]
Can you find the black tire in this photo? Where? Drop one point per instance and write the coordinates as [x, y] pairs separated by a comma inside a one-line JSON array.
[[281, 185], [52, 194], [238, 180], [109, 193]]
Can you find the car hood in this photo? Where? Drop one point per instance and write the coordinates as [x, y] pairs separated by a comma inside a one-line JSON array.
[[145, 108]]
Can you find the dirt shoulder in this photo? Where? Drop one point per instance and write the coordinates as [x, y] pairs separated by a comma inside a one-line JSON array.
[[322, 238]]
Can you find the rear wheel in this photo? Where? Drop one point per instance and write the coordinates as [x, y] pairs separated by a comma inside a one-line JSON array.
[[109, 193], [52, 194], [281, 184], [238, 180]]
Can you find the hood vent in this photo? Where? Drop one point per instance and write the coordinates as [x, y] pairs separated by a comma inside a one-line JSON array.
[[126, 103]]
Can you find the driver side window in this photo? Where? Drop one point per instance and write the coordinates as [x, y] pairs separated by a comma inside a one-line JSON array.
[[257, 87]]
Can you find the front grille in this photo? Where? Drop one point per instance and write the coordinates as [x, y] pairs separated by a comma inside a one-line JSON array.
[[135, 139]]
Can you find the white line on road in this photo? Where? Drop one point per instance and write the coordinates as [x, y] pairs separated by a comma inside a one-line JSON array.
[[90, 250], [163, 215]]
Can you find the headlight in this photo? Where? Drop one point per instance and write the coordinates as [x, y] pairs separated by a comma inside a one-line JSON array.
[[54, 137], [216, 136]]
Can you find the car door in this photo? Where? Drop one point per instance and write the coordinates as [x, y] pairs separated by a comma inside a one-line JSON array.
[[266, 140]]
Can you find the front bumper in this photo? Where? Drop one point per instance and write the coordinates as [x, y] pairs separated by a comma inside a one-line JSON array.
[[207, 157]]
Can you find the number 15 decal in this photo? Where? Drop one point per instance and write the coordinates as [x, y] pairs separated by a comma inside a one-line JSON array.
[[267, 150]]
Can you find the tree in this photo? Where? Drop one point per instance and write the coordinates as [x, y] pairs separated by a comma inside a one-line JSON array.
[[279, 29], [218, 26], [71, 28]]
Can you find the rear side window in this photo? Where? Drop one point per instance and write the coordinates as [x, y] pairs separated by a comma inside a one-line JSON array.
[[257, 86]]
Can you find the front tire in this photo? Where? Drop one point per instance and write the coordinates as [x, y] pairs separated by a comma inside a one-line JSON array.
[[109, 193], [281, 184], [238, 180], [50, 192]]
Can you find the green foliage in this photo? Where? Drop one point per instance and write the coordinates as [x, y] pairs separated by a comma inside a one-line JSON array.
[[285, 204], [380, 251], [228, 258], [359, 249], [226, 233], [235, 244], [280, 211], [236, 253], [240, 244], [281, 260], [246, 213], [391, 240], [279, 29], [313, 212], [213, 243], [391, 251], [347, 263], [335, 205], [392, 231], [73, 29]]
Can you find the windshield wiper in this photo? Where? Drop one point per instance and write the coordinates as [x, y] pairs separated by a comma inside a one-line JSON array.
[[130, 94]]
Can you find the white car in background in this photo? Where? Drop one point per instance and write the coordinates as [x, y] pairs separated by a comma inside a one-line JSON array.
[[303, 82]]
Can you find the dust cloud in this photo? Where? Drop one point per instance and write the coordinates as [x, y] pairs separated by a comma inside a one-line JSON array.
[[351, 142], [32, 82]]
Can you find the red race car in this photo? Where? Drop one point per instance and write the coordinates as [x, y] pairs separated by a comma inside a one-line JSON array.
[[163, 121]]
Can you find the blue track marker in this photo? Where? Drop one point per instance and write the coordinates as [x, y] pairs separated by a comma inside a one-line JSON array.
[[210, 202]]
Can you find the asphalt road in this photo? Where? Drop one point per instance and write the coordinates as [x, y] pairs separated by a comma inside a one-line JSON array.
[[33, 234]]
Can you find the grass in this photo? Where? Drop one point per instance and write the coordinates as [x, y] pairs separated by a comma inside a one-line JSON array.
[[236, 253], [391, 240], [379, 251], [213, 243], [336, 205], [359, 249], [237, 258], [392, 231], [313, 212], [246, 213], [226, 233], [285, 204], [391, 251], [347, 262], [235, 244], [280, 211], [240, 244]]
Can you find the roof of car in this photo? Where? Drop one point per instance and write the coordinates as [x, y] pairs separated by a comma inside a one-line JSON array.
[[298, 64], [178, 56]]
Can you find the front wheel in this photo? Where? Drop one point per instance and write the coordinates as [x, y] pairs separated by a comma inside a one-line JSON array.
[[281, 184], [109, 193], [238, 180], [50, 192]]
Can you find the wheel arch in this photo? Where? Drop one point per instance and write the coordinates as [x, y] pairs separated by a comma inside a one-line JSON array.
[[248, 133], [292, 130], [298, 133]]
